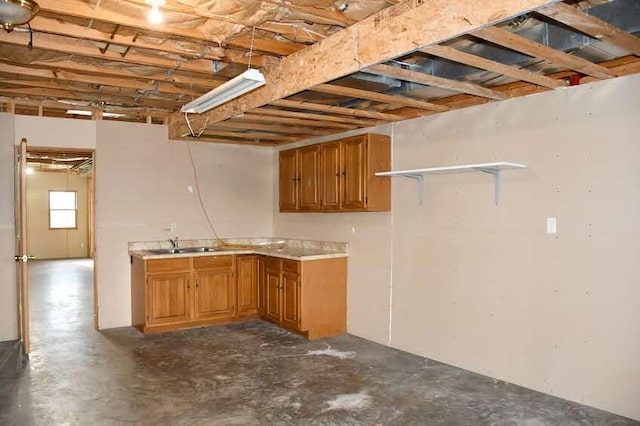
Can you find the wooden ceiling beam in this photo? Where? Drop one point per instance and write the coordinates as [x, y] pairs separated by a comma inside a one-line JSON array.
[[206, 138], [239, 124], [595, 27], [251, 116], [295, 30], [174, 77], [349, 92], [292, 29], [72, 46], [265, 45], [435, 81], [534, 49], [98, 80], [88, 97], [318, 117], [385, 35], [55, 26], [138, 111], [337, 18], [309, 106], [252, 135], [468, 59], [80, 9]]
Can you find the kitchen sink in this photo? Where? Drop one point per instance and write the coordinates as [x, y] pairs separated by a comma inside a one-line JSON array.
[[181, 250]]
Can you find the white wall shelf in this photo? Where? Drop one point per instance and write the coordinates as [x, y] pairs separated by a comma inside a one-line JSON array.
[[491, 168]]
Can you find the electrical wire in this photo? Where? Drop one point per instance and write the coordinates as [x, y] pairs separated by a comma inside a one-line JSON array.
[[204, 127], [202, 206]]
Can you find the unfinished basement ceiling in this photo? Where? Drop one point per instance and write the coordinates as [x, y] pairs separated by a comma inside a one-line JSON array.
[[104, 55], [79, 162]]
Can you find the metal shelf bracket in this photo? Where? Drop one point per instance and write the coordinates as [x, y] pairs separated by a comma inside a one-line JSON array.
[[496, 181]]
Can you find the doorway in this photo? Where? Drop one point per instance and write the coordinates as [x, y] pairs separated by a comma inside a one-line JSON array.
[[60, 229]]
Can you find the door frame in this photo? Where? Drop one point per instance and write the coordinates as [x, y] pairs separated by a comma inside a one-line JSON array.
[[91, 224]]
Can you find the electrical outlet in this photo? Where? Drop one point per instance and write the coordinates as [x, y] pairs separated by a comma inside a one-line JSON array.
[[173, 227], [552, 226]]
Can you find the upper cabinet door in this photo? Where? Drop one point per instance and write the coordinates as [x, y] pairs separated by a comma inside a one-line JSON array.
[[288, 180], [330, 175], [354, 182], [308, 178]]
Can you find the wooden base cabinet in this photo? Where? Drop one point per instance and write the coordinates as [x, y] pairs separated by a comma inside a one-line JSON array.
[[182, 292], [308, 297]]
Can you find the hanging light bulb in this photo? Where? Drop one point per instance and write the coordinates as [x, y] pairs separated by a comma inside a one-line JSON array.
[[155, 16]]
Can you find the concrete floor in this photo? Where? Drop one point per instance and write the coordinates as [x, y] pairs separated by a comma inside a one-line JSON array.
[[244, 374]]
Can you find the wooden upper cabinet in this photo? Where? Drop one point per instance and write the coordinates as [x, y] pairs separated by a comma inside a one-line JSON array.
[[330, 176], [354, 165], [309, 178], [343, 172], [288, 180]]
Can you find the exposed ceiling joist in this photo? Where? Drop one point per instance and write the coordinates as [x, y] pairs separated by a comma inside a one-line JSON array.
[[239, 124], [456, 55], [71, 46], [256, 116], [97, 80], [83, 10], [592, 26], [57, 27], [431, 80], [310, 106], [385, 35], [252, 135], [336, 17], [318, 117], [534, 49], [377, 97]]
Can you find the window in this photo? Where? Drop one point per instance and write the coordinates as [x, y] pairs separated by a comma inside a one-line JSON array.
[[63, 209]]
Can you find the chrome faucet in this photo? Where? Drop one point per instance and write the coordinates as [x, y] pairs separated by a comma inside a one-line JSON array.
[[174, 242]]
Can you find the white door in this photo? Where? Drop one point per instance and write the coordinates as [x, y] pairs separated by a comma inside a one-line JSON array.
[[21, 244]]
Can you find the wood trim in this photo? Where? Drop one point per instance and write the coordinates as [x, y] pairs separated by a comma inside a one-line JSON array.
[[385, 35], [595, 27], [456, 55], [534, 49]]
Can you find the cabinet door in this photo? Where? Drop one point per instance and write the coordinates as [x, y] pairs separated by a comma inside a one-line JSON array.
[[330, 176], [247, 284], [169, 298], [273, 295], [262, 287], [288, 180], [309, 178], [215, 295], [354, 154], [291, 300]]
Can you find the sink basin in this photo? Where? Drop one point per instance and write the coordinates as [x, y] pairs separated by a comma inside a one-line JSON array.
[[195, 250], [181, 250]]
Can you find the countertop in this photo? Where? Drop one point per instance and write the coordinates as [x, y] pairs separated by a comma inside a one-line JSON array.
[[287, 249]]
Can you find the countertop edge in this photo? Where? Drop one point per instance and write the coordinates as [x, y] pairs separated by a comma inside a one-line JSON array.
[[142, 254]]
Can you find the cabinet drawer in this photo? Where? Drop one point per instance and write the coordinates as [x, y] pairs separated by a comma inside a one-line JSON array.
[[173, 264], [205, 262], [272, 263], [292, 266]]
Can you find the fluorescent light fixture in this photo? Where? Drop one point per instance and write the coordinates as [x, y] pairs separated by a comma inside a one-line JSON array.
[[88, 113], [237, 86]]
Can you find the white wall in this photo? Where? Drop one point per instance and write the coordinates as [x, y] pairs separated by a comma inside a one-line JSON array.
[[142, 185], [481, 286], [51, 132], [8, 296]]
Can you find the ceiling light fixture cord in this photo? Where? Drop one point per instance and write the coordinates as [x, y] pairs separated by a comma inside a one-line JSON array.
[[195, 180], [30, 45]]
